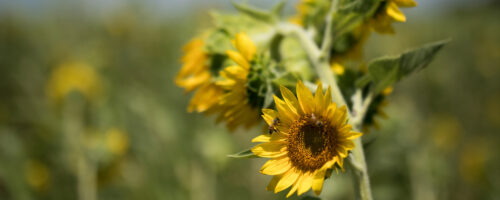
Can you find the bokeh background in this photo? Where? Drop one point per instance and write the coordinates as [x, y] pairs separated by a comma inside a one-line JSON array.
[[440, 140]]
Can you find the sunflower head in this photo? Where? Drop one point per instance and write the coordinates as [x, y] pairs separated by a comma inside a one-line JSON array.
[[310, 137], [234, 106], [195, 76]]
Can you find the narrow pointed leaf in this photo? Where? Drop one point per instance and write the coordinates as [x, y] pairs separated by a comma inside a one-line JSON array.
[[243, 154]]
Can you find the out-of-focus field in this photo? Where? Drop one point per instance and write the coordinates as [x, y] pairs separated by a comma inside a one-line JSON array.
[[439, 141]]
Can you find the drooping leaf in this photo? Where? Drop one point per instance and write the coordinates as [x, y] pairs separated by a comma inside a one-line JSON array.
[[418, 59], [243, 154], [385, 71]]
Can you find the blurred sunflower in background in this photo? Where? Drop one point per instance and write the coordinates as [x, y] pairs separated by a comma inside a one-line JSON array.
[[73, 76], [310, 137], [234, 106], [195, 75]]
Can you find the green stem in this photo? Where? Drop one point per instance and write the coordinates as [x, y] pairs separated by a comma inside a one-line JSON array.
[[362, 181], [73, 130], [314, 54], [327, 41]]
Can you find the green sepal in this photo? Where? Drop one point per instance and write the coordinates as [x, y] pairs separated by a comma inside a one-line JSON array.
[[385, 71], [218, 41], [243, 154]]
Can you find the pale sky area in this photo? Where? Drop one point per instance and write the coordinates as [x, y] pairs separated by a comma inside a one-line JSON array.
[[175, 8]]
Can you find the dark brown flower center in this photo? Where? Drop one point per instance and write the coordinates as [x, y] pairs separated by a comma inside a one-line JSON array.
[[311, 142]]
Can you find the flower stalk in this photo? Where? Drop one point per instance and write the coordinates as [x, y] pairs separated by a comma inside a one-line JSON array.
[[73, 128]]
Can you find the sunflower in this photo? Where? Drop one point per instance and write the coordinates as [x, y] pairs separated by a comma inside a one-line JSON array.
[[195, 75], [73, 76], [382, 21], [234, 106], [310, 136]]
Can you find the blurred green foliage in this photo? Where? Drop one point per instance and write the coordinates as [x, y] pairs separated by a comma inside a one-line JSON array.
[[438, 143]]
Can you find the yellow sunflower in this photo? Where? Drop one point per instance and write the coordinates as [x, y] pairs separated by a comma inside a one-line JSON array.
[[234, 106], [310, 137], [382, 21], [195, 74], [73, 76]]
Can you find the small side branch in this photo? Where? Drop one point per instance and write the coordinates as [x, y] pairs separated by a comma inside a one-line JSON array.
[[328, 36]]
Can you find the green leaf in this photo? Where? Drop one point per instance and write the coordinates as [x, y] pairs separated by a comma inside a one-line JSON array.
[[385, 71], [243, 154], [419, 58], [278, 8], [253, 12], [270, 16]]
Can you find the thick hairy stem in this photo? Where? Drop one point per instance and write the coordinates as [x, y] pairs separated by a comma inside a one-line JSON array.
[[314, 54], [360, 171], [361, 179]]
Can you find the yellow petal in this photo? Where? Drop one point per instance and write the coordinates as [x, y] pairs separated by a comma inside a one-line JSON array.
[[327, 100], [272, 184], [286, 116], [270, 149], [276, 166], [305, 183], [269, 115], [319, 176], [295, 186], [330, 112], [305, 97], [287, 180], [262, 138], [193, 44], [238, 59], [194, 81], [346, 145], [353, 135], [205, 98], [340, 116], [245, 46], [318, 99], [317, 183], [290, 100], [394, 11]]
